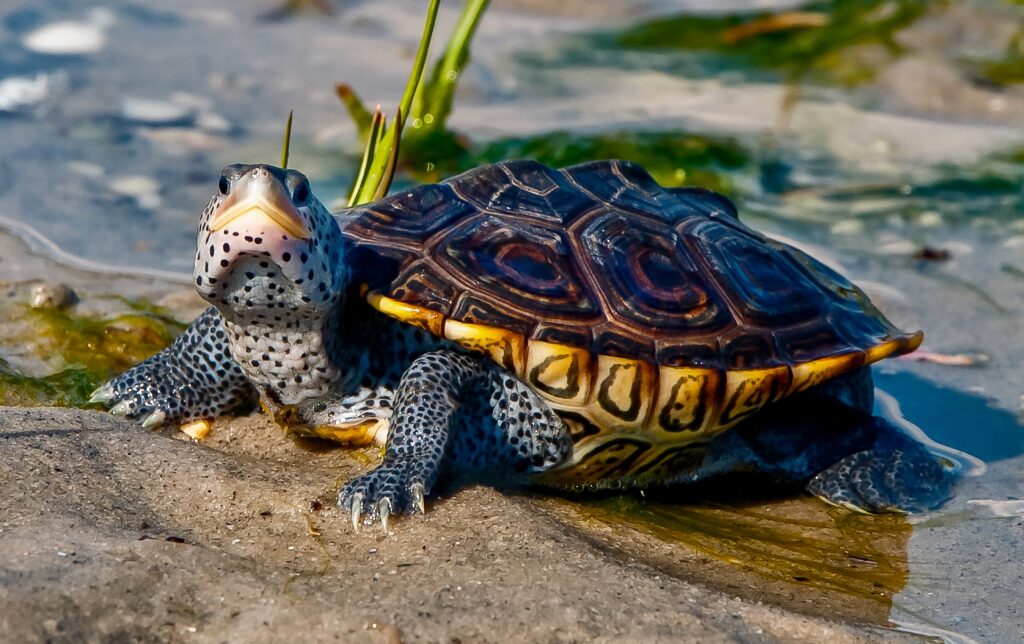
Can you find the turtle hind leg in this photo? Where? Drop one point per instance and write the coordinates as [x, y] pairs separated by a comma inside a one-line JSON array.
[[894, 475], [827, 442]]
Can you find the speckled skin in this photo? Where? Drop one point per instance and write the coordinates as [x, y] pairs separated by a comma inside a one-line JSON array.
[[286, 326], [194, 378]]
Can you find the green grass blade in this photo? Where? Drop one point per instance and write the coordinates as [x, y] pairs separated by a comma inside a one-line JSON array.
[[419, 64], [380, 158], [390, 142], [372, 138], [287, 144], [381, 168], [434, 101]]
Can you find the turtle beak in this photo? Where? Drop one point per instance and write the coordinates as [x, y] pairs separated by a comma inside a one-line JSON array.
[[257, 198]]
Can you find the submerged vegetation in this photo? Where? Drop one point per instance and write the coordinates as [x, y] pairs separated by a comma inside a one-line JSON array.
[[1009, 68], [673, 158], [836, 41]]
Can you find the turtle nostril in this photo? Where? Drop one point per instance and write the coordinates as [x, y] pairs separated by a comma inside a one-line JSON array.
[[224, 185]]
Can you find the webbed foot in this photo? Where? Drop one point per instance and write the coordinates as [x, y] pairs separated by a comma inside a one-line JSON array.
[[908, 479]]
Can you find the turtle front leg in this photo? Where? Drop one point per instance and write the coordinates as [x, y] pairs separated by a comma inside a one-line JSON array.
[[462, 411], [193, 379]]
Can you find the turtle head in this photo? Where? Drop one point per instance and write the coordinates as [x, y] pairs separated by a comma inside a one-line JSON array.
[[267, 248]]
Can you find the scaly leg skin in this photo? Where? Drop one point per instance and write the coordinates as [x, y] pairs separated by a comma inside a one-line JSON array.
[[195, 378], [891, 476], [461, 406], [828, 441]]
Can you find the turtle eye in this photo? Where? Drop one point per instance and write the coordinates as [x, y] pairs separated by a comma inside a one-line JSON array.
[[224, 185], [301, 192]]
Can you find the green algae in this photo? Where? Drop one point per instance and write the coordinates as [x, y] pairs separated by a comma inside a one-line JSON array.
[[79, 351], [66, 388], [1007, 69], [673, 158], [839, 42]]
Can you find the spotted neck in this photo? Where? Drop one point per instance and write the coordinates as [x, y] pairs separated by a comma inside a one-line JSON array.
[[292, 360]]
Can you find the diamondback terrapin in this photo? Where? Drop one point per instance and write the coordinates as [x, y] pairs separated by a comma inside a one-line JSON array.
[[581, 327]]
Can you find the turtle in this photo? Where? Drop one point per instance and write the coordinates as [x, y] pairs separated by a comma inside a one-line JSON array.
[[581, 328]]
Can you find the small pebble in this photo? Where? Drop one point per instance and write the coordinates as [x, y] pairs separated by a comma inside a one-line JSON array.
[[145, 190], [70, 37], [213, 122], [17, 92], [86, 169], [156, 113], [847, 227], [932, 254], [898, 248], [929, 219], [52, 296]]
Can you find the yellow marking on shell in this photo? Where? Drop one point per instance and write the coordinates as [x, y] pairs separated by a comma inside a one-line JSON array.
[[593, 464], [558, 372], [506, 348], [815, 372], [197, 429], [621, 394], [687, 399], [744, 392], [893, 347], [424, 318], [747, 390]]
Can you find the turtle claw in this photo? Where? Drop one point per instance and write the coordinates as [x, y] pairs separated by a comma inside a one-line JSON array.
[[102, 394], [357, 510], [121, 409], [418, 496], [384, 512], [155, 419], [381, 495]]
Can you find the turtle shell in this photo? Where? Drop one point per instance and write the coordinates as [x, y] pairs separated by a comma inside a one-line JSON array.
[[650, 318]]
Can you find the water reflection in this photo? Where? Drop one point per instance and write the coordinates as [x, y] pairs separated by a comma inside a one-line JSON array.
[[796, 551]]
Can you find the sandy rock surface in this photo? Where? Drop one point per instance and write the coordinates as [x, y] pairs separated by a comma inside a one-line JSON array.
[[112, 533]]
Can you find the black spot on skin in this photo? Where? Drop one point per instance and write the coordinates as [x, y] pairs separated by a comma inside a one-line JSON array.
[[287, 257]]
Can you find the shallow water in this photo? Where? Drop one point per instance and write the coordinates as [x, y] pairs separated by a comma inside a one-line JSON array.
[[919, 200]]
